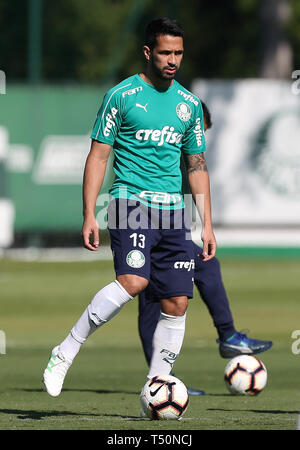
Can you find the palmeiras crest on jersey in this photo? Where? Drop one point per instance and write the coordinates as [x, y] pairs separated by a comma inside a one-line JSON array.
[[136, 259], [183, 111]]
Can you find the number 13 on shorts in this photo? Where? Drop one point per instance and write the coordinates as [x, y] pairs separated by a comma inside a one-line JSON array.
[[139, 240]]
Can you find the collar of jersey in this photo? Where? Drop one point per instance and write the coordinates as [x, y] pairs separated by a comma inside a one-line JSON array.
[[154, 88]]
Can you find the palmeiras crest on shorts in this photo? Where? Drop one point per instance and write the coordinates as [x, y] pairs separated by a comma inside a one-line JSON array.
[[135, 259], [183, 111]]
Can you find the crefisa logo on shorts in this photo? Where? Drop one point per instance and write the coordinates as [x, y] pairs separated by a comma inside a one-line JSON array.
[[136, 259], [188, 265]]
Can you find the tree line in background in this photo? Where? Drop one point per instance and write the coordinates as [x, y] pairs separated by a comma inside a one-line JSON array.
[[89, 41]]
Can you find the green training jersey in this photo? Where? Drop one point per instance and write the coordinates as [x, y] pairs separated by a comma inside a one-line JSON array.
[[149, 129]]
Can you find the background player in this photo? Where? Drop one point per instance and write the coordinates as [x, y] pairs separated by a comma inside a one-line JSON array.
[[149, 125], [208, 280]]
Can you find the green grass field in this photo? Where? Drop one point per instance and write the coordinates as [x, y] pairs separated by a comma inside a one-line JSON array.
[[41, 301]]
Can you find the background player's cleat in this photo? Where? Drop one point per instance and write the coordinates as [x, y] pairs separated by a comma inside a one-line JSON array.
[[240, 344], [55, 372], [192, 391]]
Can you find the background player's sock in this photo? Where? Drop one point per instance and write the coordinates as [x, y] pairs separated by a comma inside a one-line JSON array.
[[225, 330], [104, 306], [208, 280], [167, 342]]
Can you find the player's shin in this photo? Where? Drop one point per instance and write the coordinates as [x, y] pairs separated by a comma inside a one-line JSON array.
[[107, 303], [167, 342]]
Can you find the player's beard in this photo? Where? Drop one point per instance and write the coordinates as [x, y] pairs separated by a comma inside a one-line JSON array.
[[161, 74]]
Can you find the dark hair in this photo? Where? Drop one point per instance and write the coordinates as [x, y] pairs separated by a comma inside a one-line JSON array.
[[206, 115], [162, 26]]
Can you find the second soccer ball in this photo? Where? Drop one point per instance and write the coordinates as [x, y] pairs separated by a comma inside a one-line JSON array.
[[245, 375]]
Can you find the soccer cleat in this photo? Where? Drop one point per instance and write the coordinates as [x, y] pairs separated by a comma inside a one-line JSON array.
[[55, 372], [240, 344], [192, 391]]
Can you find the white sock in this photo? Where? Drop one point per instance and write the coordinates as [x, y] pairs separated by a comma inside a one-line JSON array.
[[77, 336], [167, 342], [104, 306]]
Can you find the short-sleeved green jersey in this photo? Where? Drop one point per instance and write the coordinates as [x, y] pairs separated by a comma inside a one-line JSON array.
[[149, 129]]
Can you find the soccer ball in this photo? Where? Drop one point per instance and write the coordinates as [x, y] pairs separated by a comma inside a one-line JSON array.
[[245, 375], [164, 397]]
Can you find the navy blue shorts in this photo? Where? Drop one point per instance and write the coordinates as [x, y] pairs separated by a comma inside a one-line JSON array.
[[154, 244]]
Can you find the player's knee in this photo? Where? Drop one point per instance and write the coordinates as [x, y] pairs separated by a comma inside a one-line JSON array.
[[174, 306], [134, 284]]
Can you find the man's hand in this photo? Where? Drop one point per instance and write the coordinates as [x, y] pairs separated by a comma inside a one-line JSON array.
[[90, 233], [209, 245]]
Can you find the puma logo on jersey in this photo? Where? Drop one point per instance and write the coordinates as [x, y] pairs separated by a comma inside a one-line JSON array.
[[141, 106]]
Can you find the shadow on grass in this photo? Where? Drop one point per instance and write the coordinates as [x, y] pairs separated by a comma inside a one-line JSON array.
[[95, 391], [218, 395], [109, 391], [39, 415], [262, 411]]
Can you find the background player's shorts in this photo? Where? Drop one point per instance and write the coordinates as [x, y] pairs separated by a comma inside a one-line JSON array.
[[153, 244]]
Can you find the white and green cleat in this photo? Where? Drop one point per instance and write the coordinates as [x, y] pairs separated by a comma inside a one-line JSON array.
[[55, 372]]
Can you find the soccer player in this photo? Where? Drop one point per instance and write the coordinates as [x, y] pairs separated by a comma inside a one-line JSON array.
[[149, 120], [208, 280]]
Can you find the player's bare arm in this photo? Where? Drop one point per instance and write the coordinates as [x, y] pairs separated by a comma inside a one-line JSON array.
[[198, 179], [94, 173], [195, 163]]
